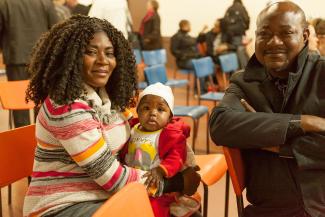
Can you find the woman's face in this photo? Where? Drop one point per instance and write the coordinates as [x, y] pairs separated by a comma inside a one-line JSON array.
[[98, 61]]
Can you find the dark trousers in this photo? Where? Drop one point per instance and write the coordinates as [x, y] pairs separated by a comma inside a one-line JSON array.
[[16, 73]]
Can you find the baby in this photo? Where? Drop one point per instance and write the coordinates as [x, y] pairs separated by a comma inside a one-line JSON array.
[[158, 144]]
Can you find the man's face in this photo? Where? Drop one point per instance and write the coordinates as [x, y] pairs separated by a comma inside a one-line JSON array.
[[280, 37]]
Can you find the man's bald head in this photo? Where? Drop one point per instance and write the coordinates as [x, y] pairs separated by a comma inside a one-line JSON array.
[[283, 7]]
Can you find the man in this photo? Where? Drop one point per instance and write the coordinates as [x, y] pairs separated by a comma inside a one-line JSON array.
[[278, 106], [114, 11], [21, 24], [183, 47]]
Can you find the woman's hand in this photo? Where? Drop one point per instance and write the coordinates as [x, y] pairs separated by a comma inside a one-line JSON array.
[[191, 180]]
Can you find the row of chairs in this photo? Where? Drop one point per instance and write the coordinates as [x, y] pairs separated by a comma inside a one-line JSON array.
[[17, 156]]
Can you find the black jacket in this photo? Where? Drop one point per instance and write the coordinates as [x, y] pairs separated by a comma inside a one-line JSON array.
[[183, 47], [276, 185], [151, 38], [21, 24]]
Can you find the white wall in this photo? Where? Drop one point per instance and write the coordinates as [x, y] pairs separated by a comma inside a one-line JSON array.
[[201, 12]]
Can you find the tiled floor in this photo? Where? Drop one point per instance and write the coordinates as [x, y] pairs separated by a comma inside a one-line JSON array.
[[216, 192]]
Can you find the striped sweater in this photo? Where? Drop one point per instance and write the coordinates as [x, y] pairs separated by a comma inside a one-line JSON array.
[[75, 158]]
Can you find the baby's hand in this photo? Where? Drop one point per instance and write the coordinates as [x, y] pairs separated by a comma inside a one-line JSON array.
[[154, 177]]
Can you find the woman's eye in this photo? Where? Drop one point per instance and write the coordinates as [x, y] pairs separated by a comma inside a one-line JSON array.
[[110, 54], [91, 52]]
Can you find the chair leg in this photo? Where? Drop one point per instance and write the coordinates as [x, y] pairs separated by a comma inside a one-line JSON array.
[[208, 135], [227, 194], [9, 194], [205, 200], [240, 205], [188, 90], [0, 204], [195, 131], [11, 119]]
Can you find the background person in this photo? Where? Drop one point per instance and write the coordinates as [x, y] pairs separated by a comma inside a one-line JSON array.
[[21, 24], [150, 27]]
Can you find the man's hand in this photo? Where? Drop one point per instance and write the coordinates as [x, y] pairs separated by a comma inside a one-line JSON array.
[[249, 108], [191, 180], [310, 123]]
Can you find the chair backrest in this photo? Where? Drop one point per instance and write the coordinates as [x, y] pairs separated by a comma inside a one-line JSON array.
[[138, 56], [16, 154], [130, 201], [12, 95], [154, 57], [236, 169], [156, 73], [203, 67], [229, 62]]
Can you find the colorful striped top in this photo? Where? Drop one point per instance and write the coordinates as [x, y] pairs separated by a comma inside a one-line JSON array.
[[75, 158]]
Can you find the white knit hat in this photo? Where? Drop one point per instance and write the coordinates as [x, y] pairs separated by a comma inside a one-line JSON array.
[[159, 89]]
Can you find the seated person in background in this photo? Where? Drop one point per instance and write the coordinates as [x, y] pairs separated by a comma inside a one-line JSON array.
[[320, 31], [278, 106], [216, 42], [158, 144], [184, 48], [312, 39], [83, 79]]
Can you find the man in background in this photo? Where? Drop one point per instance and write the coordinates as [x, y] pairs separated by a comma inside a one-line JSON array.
[[21, 24]]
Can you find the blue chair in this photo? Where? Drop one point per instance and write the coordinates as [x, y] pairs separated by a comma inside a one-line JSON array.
[[154, 57], [157, 73], [138, 60], [159, 57], [229, 62], [204, 67]]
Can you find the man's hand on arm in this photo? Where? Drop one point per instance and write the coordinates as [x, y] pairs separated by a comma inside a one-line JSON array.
[[249, 108], [310, 123]]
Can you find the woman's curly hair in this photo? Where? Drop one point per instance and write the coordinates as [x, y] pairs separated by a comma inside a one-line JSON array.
[[57, 61]]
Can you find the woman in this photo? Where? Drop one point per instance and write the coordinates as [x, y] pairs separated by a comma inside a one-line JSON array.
[[83, 77], [150, 27]]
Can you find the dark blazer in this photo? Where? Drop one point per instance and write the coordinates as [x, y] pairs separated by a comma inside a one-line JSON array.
[[21, 24], [293, 181], [151, 38]]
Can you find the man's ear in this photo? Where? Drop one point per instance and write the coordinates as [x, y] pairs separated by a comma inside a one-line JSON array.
[[306, 34]]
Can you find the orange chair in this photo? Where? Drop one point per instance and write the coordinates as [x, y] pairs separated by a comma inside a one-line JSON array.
[[12, 97], [237, 173], [16, 155], [213, 167], [130, 201]]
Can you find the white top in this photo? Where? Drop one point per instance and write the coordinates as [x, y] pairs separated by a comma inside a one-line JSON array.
[[114, 11]]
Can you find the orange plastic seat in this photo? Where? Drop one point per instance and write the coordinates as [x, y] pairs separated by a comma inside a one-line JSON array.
[[12, 97], [213, 167], [237, 174], [130, 201], [16, 155]]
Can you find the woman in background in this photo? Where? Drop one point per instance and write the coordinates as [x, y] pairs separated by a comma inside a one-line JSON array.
[[150, 27]]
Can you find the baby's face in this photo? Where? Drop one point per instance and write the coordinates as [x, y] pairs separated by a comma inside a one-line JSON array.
[[153, 112]]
